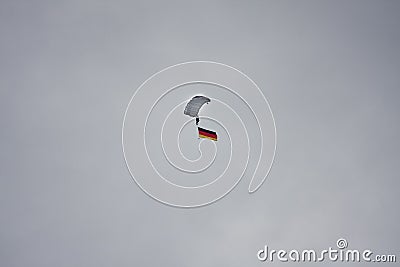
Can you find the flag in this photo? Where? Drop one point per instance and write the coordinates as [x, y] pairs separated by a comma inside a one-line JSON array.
[[204, 133]]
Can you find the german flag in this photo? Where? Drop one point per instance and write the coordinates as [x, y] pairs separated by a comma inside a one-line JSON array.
[[204, 133]]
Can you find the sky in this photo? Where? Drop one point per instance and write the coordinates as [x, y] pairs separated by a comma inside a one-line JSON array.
[[330, 72]]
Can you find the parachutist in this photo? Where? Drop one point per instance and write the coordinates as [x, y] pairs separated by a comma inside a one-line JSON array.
[[192, 109]]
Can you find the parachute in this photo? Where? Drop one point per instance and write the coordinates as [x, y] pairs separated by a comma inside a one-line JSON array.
[[193, 107]]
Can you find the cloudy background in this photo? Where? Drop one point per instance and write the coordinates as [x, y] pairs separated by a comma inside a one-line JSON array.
[[330, 70]]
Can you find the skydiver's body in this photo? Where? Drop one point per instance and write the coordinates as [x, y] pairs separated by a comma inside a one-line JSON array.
[[197, 120]]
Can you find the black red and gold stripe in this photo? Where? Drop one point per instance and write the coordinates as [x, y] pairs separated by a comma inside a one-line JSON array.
[[204, 133]]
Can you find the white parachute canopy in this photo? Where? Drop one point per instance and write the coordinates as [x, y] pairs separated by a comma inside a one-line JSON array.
[[193, 107]]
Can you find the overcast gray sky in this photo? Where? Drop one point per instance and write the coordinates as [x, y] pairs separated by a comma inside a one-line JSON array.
[[329, 69]]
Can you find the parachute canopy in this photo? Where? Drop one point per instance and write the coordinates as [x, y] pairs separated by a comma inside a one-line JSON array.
[[193, 107]]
